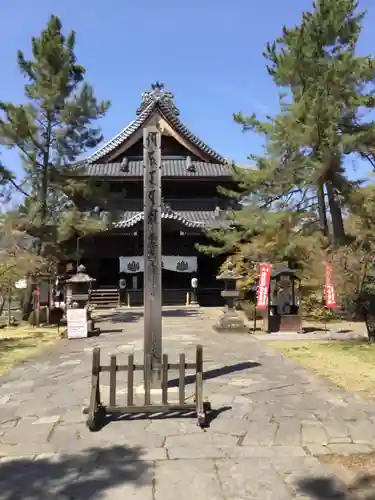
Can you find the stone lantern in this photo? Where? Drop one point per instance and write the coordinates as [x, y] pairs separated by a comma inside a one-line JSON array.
[[78, 289], [229, 321]]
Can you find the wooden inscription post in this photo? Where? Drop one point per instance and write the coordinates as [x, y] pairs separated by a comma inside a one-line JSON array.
[[152, 253]]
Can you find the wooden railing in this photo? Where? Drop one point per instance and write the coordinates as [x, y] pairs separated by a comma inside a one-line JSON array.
[[97, 411]]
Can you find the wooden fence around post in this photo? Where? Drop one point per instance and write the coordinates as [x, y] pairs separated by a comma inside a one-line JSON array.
[[97, 411]]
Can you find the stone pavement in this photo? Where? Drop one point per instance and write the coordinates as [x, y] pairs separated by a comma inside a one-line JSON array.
[[273, 420]]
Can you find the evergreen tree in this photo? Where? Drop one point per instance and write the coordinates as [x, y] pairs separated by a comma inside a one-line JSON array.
[[51, 130], [326, 88], [330, 88]]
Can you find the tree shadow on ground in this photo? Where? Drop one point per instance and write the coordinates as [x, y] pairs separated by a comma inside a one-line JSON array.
[[87, 475], [316, 329], [216, 372], [180, 313], [135, 316], [111, 330], [313, 329], [331, 488], [120, 317]]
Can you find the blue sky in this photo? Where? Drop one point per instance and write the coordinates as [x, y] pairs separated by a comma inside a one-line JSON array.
[[207, 52]]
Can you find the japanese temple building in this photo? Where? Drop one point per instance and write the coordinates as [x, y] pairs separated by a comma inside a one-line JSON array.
[[191, 174]]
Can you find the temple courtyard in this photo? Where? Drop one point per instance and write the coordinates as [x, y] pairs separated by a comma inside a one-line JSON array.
[[273, 427]]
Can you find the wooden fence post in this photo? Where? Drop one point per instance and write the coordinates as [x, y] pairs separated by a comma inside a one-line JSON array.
[[199, 385]]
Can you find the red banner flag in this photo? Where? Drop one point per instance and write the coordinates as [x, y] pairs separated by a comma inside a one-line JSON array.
[[263, 285], [329, 289]]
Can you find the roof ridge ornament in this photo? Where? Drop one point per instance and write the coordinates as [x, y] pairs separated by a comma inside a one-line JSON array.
[[165, 206], [190, 167], [157, 93], [124, 165]]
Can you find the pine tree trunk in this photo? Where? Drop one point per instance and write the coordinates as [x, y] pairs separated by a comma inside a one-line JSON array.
[[370, 325], [43, 204], [2, 303], [44, 181], [323, 223], [338, 230], [28, 297], [9, 305]]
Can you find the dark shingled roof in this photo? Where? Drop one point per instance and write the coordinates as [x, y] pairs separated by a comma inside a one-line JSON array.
[[170, 168], [161, 100], [189, 218]]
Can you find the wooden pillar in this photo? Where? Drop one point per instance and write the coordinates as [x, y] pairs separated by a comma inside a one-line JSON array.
[[152, 251]]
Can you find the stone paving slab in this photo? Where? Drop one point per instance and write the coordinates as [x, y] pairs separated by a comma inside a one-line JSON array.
[[273, 420]]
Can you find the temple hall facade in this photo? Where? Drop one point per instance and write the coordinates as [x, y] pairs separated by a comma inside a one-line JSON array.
[[191, 173]]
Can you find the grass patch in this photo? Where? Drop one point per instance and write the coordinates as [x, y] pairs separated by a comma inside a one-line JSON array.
[[20, 342], [347, 363]]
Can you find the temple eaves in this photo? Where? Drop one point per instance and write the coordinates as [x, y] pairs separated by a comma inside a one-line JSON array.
[[161, 100]]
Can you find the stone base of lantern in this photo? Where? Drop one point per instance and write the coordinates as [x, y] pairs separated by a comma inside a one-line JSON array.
[[230, 322]]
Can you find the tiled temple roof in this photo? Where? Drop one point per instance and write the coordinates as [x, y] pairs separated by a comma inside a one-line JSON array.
[[170, 168], [189, 218], [161, 100]]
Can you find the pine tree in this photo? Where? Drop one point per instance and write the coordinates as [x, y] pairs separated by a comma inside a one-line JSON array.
[[51, 130], [330, 88], [326, 89]]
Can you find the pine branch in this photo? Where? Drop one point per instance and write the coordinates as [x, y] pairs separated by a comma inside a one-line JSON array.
[[18, 187], [54, 127]]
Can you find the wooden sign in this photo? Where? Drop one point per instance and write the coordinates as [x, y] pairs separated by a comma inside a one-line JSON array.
[[152, 245], [77, 323]]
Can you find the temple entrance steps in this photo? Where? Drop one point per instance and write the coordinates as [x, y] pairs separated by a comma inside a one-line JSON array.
[[109, 297], [175, 297], [134, 298], [103, 298]]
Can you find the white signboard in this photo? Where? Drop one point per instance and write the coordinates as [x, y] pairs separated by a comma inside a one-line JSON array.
[[77, 323], [169, 262], [21, 284]]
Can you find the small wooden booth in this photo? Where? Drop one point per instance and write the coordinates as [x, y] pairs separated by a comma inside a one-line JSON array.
[[284, 312]]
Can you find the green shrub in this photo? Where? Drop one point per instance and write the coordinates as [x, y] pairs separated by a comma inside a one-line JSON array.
[[312, 307]]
